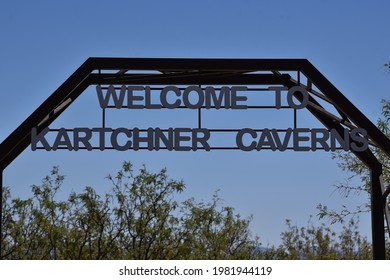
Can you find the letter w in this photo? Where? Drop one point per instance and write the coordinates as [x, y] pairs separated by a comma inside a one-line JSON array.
[[105, 99]]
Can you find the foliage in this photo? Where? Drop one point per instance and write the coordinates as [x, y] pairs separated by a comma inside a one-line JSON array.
[[138, 219], [322, 243], [349, 163], [141, 219]]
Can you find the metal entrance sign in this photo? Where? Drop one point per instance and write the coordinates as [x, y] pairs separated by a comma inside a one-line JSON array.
[[203, 85], [187, 138]]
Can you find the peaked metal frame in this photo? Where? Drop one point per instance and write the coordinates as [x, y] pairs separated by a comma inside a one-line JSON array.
[[169, 71]]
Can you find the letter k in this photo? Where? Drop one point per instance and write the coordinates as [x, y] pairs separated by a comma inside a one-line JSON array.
[[35, 139]]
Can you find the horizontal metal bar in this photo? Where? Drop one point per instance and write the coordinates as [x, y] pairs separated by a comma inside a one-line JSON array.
[[167, 130], [204, 107], [165, 148], [186, 64], [183, 88], [168, 79]]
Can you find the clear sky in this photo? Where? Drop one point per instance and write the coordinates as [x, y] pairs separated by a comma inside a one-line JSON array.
[[43, 42]]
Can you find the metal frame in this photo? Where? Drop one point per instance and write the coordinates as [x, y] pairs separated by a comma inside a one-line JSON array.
[[117, 71]]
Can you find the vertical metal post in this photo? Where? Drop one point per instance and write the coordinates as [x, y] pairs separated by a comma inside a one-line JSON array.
[[199, 118], [200, 112], [104, 118], [1, 214], [295, 118], [377, 216]]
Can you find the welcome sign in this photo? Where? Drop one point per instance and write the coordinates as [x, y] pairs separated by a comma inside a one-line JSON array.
[[187, 138]]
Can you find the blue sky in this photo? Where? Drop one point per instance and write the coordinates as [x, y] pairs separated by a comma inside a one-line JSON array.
[[43, 42]]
